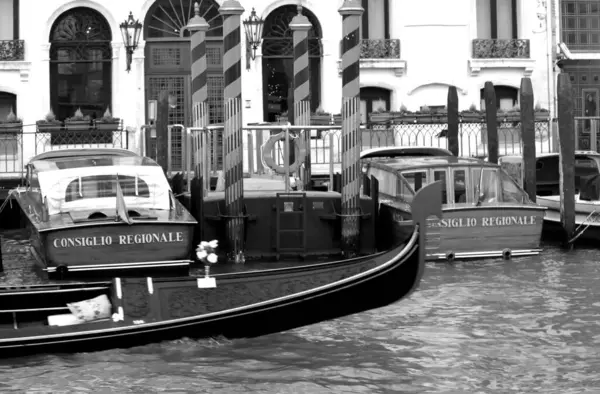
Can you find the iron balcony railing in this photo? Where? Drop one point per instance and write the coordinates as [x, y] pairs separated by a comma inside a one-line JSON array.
[[12, 50], [484, 48]]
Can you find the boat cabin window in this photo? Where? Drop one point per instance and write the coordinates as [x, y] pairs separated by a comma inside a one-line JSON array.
[[416, 179], [486, 185], [460, 186], [99, 186], [404, 189], [511, 192], [440, 175]]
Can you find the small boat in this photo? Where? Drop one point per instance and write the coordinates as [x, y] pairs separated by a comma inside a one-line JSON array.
[[65, 316], [587, 192], [485, 213], [103, 209]]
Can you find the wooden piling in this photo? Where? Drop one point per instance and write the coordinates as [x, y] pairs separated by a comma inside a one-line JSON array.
[[351, 12], [374, 192], [233, 163], [528, 138], [300, 26], [197, 207], [452, 105], [162, 130], [366, 184], [566, 143], [491, 116]]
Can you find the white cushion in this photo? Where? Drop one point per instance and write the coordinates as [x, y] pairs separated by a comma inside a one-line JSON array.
[[92, 309]]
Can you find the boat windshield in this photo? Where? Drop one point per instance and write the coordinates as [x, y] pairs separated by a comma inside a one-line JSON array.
[[76, 188], [392, 184], [495, 185]]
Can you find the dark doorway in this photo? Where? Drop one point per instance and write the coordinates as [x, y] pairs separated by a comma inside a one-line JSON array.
[[168, 67], [278, 61]]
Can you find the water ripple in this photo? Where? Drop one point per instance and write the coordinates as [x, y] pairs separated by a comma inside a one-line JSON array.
[[529, 325]]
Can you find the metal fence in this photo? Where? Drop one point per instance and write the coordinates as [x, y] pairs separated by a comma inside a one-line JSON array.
[[325, 145], [17, 147], [326, 142]]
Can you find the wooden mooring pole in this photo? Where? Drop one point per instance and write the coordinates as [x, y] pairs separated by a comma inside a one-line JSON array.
[[233, 164], [351, 12], [453, 120], [300, 26], [566, 144], [162, 130], [528, 138], [491, 117]]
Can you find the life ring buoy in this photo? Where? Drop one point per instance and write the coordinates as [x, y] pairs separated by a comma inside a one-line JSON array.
[[269, 161]]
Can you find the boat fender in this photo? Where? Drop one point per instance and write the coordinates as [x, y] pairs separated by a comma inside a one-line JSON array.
[[450, 256], [267, 153], [506, 254], [62, 270]]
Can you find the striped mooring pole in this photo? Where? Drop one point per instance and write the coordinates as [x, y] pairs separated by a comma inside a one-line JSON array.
[[351, 12], [300, 26], [198, 28], [231, 10]]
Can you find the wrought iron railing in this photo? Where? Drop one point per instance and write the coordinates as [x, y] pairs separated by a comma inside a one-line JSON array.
[[501, 49], [11, 50], [16, 147], [378, 48]]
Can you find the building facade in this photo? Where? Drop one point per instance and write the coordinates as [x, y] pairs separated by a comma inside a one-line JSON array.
[[69, 55]]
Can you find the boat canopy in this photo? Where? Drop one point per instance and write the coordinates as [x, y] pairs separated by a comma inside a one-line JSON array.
[[90, 183]]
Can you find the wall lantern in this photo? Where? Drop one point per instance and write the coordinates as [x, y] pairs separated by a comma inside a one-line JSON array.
[[130, 30], [253, 26]]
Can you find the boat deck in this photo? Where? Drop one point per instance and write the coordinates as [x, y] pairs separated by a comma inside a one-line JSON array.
[[21, 269]]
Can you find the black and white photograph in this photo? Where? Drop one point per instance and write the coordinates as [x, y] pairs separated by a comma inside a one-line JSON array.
[[299, 196]]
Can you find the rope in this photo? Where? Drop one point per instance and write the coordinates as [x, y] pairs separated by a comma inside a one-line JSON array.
[[8, 198], [578, 234]]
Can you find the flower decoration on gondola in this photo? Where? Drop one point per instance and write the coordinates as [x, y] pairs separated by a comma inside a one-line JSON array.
[[206, 253]]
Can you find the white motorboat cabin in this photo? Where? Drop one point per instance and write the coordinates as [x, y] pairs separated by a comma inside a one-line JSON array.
[[71, 182]]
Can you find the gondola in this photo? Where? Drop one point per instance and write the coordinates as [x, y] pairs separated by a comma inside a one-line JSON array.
[[75, 316]]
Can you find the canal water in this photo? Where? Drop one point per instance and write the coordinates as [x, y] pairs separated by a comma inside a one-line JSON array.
[[530, 325]]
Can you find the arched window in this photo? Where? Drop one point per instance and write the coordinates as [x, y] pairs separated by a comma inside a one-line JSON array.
[[80, 63], [507, 97], [278, 60], [166, 19]]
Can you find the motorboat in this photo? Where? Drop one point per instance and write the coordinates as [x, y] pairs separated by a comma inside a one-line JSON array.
[[485, 212], [103, 210]]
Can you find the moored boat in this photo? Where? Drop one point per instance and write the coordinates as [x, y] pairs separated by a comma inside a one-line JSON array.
[[485, 213], [587, 196], [103, 209], [125, 312]]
